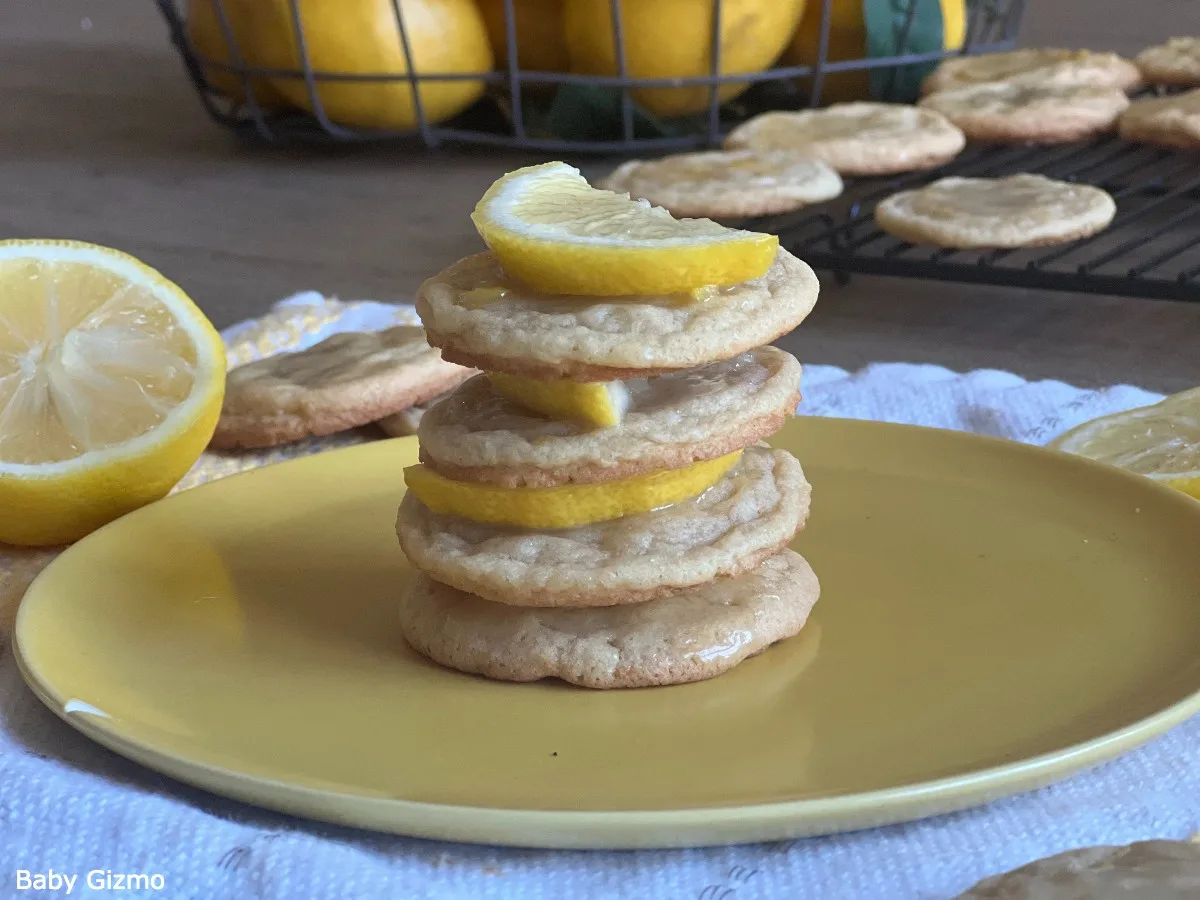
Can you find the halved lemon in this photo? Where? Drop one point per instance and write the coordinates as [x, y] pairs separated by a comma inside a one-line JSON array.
[[1160, 441], [549, 228], [111, 383], [568, 505], [599, 403]]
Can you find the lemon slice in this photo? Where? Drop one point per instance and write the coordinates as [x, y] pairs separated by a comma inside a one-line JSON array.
[[111, 383], [599, 403], [568, 505], [1160, 441], [549, 228]]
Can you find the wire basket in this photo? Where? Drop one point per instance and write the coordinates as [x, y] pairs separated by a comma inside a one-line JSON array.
[[553, 111]]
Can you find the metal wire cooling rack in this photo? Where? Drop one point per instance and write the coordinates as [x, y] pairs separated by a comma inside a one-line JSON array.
[[505, 117], [1152, 248]]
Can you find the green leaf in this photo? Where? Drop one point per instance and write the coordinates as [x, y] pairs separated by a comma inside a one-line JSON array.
[[587, 113], [886, 36]]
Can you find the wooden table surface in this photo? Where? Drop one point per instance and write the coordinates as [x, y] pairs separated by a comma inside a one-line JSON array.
[[103, 139]]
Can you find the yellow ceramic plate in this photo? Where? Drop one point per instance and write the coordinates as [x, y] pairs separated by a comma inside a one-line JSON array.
[[992, 617]]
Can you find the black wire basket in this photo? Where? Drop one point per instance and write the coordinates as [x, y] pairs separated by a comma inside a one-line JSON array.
[[278, 87]]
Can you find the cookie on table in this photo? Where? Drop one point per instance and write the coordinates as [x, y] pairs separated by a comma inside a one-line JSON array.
[[482, 319], [1046, 66], [855, 138], [979, 213], [1175, 62], [695, 634], [1018, 111], [1171, 121], [669, 422], [727, 184], [750, 514], [406, 422], [345, 381]]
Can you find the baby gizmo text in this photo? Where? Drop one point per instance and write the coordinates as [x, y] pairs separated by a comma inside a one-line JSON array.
[[96, 879]]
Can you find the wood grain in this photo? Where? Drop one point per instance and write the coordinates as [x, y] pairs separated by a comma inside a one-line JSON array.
[[102, 139]]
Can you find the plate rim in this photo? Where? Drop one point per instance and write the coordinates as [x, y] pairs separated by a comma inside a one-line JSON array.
[[629, 829]]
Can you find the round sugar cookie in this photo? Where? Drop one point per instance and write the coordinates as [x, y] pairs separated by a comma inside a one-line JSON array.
[[697, 633], [1044, 66], [345, 381], [482, 318], [855, 138], [727, 184], [745, 517], [1017, 111], [671, 421], [1171, 121], [1017, 211], [1175, 62]]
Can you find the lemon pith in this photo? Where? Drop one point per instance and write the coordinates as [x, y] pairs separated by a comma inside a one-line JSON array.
[[111, 383], [549, 228], [1161, 441], [599, 403], [568, 505]]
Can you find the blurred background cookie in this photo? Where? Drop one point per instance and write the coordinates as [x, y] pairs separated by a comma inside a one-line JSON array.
[[726, 184], [1175, 62], [1172, 121], [856, 138], [1030, 110], [1017, 211], [407, 421], [1049, 66], [345, 381]]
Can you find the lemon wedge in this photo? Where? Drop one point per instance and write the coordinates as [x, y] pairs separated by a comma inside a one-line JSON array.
[[1160, 441], [599, 403], [549, 228], [111, 383], [568, 505]]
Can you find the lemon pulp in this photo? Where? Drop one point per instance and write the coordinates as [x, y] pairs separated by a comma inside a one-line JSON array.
[[568, 505]]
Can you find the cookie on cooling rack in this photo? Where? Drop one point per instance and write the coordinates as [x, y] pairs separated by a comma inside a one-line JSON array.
[[1046, 66], [1030, 110], [1171, 121], [855, 138], [991, 213], [727, 184], [1175, 62]]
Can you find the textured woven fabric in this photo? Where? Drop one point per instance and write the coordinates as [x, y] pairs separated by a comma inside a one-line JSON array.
[[70, 806]]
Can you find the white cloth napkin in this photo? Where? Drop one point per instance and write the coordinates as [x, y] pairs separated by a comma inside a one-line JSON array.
[[70, 806]]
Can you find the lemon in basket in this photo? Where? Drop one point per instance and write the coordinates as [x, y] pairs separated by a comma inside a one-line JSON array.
[[111, 383], [539, 34], [209, 40], [673, 39], [1160, 441], [362, 37], [848, 40]]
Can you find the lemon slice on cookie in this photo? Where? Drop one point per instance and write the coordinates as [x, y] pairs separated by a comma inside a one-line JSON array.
[[599, 403], [568, 505], [551, 229], [1160, 441], [110, 387]]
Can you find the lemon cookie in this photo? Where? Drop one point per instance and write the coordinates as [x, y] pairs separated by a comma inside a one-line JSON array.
[[345, 381], [855, 138], [1017, 211], [482, 318], [727, 184], [695, 634], [668, 422], [1044, 66], [406, 422], [1030, 111], [1173, 121], [753, 511], [1175, 62]]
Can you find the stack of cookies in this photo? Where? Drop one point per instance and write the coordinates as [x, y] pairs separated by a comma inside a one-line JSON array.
[[598, 506]]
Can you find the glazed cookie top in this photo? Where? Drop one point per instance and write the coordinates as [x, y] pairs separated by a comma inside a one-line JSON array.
[[482, 318], [855, 138], [1175, 62], [1043, 66], [671, 421], [755, 509], [1029, 109], [1173, 120]]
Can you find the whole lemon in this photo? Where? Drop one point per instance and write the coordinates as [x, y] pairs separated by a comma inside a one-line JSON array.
[[207, 36], [361, 37], [848, 40], [540, 46], [673, 39]]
